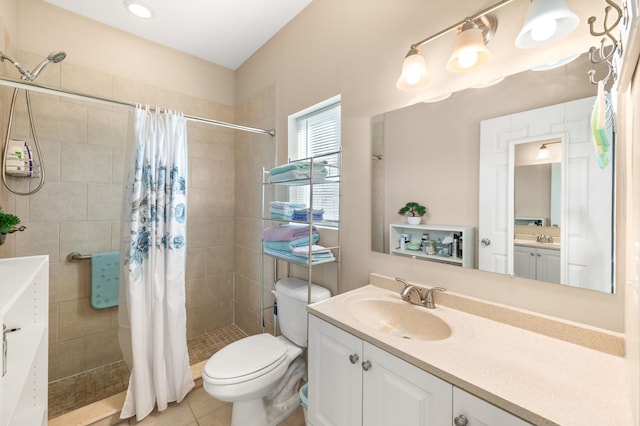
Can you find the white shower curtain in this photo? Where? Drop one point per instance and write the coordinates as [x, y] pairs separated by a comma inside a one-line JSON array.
[[152, 313]]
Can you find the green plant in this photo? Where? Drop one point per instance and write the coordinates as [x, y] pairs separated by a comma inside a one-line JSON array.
[[415, 209], [8, 222]]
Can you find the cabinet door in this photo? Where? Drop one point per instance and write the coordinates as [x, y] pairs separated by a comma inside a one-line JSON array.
[[481, 413], [335, 376], [548, 265], [524, 262], [398, 393]]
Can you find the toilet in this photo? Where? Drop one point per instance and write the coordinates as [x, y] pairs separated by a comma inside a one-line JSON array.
[[247, 370]]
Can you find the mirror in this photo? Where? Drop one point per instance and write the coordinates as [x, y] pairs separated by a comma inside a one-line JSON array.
[[430, 153]]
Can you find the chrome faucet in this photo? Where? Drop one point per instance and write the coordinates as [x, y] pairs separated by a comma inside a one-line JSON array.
[[406, 291], [428, 301]]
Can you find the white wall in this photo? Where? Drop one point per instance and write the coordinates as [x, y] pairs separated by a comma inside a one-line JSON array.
[[356, 48]]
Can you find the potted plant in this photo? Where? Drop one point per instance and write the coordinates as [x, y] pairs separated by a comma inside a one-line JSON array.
[[414, 212], [8, 224]]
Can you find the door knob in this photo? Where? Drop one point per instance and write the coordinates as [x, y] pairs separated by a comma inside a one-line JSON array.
[[366, 365], [353, 358], [461, 420], [485, 242]]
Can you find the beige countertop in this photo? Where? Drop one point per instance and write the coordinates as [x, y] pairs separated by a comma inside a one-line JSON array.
[[530, 243], [541, 379]]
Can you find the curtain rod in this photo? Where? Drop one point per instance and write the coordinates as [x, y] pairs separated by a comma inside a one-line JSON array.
[[21, 84]]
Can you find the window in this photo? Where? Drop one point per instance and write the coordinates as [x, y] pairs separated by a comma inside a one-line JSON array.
[[316, 132]]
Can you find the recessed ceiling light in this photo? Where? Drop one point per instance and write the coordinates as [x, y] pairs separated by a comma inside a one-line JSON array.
[[555, 64], [487, 83], [139, 9]]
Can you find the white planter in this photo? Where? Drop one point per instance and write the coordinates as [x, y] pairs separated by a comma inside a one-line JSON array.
[[414, 220]]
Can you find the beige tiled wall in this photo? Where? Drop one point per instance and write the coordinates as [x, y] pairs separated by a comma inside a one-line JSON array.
[[78, 209], [252, 152]]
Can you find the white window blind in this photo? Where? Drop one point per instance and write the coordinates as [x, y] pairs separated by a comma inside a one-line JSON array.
[[318, 134]]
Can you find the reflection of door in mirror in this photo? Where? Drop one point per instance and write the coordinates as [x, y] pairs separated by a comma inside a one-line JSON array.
[[586, 216]]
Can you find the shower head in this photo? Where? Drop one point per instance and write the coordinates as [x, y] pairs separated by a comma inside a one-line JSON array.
[[54, 57]]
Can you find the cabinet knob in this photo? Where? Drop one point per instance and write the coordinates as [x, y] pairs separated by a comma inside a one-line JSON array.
[[485, 242], [353, 358], [539, 255], [532, 254], [461, 420], [366, 365]]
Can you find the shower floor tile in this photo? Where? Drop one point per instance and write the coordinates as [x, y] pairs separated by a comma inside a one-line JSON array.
[[76, 391]]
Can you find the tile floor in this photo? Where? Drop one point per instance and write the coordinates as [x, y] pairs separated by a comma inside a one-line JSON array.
[[200, 409], [73, 392]]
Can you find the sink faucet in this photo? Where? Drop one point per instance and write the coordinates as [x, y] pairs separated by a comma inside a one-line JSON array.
[[428, 301], [405, 293]]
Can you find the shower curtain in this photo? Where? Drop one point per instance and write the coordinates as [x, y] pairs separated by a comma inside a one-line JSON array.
[[152, 313]]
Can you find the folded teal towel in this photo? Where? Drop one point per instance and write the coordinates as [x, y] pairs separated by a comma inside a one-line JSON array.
[[296, 165], [105, 279]]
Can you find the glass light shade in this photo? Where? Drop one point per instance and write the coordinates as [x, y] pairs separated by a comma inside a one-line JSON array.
[[546, 21], [543, 153], [414, 73], [139, 9], [469, 51]]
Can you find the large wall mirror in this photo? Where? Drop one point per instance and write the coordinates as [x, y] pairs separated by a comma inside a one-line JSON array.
[[431, 153]]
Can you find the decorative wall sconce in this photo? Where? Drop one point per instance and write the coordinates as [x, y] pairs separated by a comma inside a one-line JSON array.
[[543, 151], [546, 21]]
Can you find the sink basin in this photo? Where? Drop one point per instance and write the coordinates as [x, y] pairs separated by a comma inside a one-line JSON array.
[[400, 319]]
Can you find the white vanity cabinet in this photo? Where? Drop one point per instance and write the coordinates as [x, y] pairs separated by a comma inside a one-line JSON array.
[[24, 310], [352, 382], [536, 263], [469, 410]]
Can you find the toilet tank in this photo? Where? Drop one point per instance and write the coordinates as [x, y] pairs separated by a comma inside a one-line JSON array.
[[292, 294]]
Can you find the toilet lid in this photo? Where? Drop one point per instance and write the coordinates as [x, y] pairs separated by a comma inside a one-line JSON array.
[[246, 358]]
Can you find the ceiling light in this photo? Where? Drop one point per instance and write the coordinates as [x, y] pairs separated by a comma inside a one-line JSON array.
[[546, 21], [469, 50], [139, 9], [414, 73], [487, 83], [437, 98]]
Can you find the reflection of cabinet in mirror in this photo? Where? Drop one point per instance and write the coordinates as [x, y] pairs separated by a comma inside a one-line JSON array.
[[459, 252], [536, 263]]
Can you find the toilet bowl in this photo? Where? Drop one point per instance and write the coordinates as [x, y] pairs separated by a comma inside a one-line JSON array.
[[245, 371]]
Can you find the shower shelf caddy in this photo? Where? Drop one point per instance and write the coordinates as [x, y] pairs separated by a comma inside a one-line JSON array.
[[24, 310], [328, 229]]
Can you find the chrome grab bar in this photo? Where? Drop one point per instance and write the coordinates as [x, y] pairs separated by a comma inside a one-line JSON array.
[[77, 257]]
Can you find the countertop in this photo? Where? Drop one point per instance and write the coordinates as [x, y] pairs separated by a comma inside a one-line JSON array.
[[545, 381], [533, 243]]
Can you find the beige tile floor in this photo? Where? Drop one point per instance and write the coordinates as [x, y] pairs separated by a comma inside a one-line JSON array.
[[200, 409]]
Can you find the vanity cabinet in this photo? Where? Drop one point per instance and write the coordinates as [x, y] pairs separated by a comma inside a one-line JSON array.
[[24, 311], [465, 235], [536, 263], [352, 382]]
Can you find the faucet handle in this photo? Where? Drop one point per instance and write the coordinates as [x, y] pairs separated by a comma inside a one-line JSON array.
[[429, 302]]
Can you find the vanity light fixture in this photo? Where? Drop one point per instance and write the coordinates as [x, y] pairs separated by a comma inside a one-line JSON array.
[[546, 21], [139, 9], [543, 152]]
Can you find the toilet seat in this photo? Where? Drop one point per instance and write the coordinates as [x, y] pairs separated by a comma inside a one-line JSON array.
[[245, 359]]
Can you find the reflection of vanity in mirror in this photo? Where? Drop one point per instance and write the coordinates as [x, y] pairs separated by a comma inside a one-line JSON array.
[[431, 153]]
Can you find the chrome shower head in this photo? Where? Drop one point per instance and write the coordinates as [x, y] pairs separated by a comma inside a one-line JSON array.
[[54, 57]]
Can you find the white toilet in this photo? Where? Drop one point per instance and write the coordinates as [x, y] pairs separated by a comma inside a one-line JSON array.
[[245, 371]]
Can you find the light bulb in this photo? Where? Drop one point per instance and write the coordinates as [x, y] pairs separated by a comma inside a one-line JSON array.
[[544, 29], [468, 59], [413, 69]]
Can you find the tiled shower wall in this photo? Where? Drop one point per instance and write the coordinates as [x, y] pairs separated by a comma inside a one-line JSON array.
[[78, 209]]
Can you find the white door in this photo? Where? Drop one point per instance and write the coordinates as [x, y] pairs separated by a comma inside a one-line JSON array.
[[481, 413], [493, 216], [398, 393], [335, 376], [586, 240]]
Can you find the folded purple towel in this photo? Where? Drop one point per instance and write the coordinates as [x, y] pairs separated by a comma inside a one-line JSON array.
[[288, 232]]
